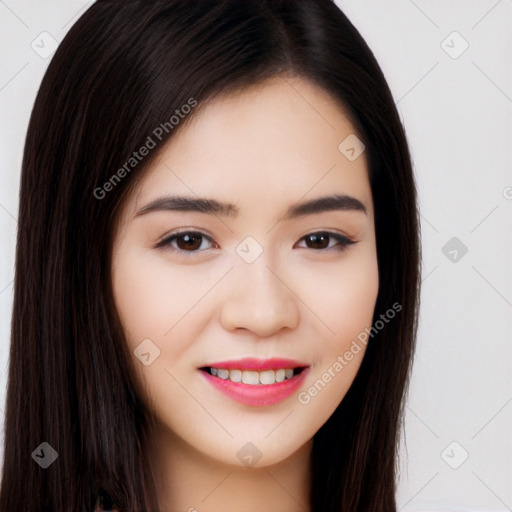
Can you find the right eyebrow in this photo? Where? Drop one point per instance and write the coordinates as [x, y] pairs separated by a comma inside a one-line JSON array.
[[189, 204]]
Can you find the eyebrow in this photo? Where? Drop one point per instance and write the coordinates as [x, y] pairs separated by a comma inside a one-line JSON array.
[[211, 206]]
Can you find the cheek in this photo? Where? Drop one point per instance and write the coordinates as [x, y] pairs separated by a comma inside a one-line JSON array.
[[342, 294], [157, 303], [343, 297], [152, 299]]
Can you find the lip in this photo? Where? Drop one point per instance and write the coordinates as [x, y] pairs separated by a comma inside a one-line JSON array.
[[251, 363], [257, 395]]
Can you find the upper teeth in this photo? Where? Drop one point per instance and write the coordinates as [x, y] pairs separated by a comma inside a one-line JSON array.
[[253, 377]]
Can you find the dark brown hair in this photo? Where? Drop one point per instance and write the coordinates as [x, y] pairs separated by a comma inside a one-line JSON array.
[[122, 70]]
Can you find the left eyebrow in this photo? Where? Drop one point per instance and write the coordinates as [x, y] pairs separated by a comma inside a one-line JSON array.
[[325, 204], [211, 206]]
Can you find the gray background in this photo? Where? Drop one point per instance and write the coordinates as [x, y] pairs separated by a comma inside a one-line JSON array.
[[456, 105]]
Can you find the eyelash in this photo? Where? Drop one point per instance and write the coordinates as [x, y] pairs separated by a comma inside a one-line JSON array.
[[343, 241]]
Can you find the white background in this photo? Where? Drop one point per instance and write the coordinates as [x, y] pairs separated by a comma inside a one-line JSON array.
[[457, 111]]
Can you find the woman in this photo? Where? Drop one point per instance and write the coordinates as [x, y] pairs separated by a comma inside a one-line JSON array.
[[217, 267]]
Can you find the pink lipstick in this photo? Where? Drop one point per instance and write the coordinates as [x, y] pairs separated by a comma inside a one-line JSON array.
[[256, 382]]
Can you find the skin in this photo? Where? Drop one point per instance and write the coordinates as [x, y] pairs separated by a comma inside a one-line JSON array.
[[263, 149]]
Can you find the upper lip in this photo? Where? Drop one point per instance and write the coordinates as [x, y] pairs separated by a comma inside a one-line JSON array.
[[251, 363]]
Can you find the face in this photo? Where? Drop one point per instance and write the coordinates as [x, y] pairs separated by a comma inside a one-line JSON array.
[[241, 286]]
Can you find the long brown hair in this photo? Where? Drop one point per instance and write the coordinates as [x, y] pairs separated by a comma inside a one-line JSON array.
[[121, 71]]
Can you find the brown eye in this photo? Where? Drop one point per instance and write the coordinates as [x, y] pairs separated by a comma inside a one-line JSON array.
[[322, 240], [187, 242], [317, 241]]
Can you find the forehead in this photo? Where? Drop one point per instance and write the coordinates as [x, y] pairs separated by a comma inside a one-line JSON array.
[[265, 145]]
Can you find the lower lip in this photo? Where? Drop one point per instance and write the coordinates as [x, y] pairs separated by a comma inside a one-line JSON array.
[[257, 395]]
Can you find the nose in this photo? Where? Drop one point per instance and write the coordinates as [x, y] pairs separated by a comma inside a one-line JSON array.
[[259, 299]]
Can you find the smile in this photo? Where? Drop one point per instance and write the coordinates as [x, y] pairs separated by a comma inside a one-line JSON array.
[[256, 382], [254, 378]]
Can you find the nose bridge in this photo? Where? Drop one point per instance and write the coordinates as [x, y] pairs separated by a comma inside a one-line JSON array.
[[258, 300]]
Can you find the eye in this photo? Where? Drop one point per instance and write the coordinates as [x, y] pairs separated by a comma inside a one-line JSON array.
[[186, 242], [321, 240], [189, 242]]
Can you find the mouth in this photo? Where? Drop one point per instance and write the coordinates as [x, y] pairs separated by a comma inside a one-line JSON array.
[[253, 377], [256, 382]]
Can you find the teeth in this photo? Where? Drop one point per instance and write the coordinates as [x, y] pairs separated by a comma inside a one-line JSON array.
[[235, 375], [250, 378], [253, 378], [280, 375], [223, 374], [268, 377]]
